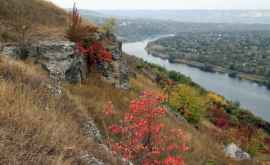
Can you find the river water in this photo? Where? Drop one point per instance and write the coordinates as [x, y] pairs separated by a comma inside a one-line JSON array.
[[250, 95]]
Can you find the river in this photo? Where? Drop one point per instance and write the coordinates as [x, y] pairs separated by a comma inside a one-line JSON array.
[[250, 95]]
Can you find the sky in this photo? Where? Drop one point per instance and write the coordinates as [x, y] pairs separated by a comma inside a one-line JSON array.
[[165, 4]]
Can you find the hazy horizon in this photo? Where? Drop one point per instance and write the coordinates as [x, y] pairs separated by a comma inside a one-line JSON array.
[[166, 5]]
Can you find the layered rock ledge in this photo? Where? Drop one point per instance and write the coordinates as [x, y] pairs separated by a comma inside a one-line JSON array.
[[63, 62]]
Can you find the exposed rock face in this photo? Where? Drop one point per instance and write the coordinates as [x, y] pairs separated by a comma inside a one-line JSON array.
[[115, 72], [62, 62], [233, 151], [60, 59], [57, 57]]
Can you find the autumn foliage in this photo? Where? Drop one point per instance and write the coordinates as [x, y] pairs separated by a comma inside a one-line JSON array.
[[77, 31], [188, 101], [82, 35], [219, 117], [139, 136], [95, 52]]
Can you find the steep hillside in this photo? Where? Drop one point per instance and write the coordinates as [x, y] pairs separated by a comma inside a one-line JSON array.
[[38, 126], [39, 11], [74, 104], [37, 18]]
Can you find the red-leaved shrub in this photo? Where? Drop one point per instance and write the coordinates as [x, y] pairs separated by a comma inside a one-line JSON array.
[[95, 52], [219, 117], [139, 136], [79, 33]]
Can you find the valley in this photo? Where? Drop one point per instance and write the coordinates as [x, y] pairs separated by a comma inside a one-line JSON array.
[[79, 87]]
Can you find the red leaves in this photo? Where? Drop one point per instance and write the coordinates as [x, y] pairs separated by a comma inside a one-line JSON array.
[[220, 118], [77, 32], [96, 52], [115, 129], [140, 136], [173, 161]]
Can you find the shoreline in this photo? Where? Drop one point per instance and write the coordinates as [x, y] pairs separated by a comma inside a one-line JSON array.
[[259, 80]]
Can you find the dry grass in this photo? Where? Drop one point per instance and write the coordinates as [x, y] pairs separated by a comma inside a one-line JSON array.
[[39, 11], [44, 20], [37, 127], [47, 20]]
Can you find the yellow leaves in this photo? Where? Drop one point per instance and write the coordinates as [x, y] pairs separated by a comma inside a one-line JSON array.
[[188, 101], [184, 95], [217, 99]]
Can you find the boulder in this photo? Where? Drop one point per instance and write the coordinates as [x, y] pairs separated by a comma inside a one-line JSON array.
[[233, 151]]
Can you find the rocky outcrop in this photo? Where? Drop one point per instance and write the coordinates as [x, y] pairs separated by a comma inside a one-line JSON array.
[[62, 62], [57, 57], [233, 151], [115, 72]]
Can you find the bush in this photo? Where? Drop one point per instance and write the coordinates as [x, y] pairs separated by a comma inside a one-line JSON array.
[[140, 66], [188, 101], [17, 20], [173, 75], [138, 136], [87, 44], [77, 32], [220, 118]]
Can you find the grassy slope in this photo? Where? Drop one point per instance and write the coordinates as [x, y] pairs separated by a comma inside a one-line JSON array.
[[39, 128], [47, 20], [36, 126]]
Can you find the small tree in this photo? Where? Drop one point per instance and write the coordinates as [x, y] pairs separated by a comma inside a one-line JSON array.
[[19, 22], [76, 31], [83, 36], [109, 26], [139, 138]]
